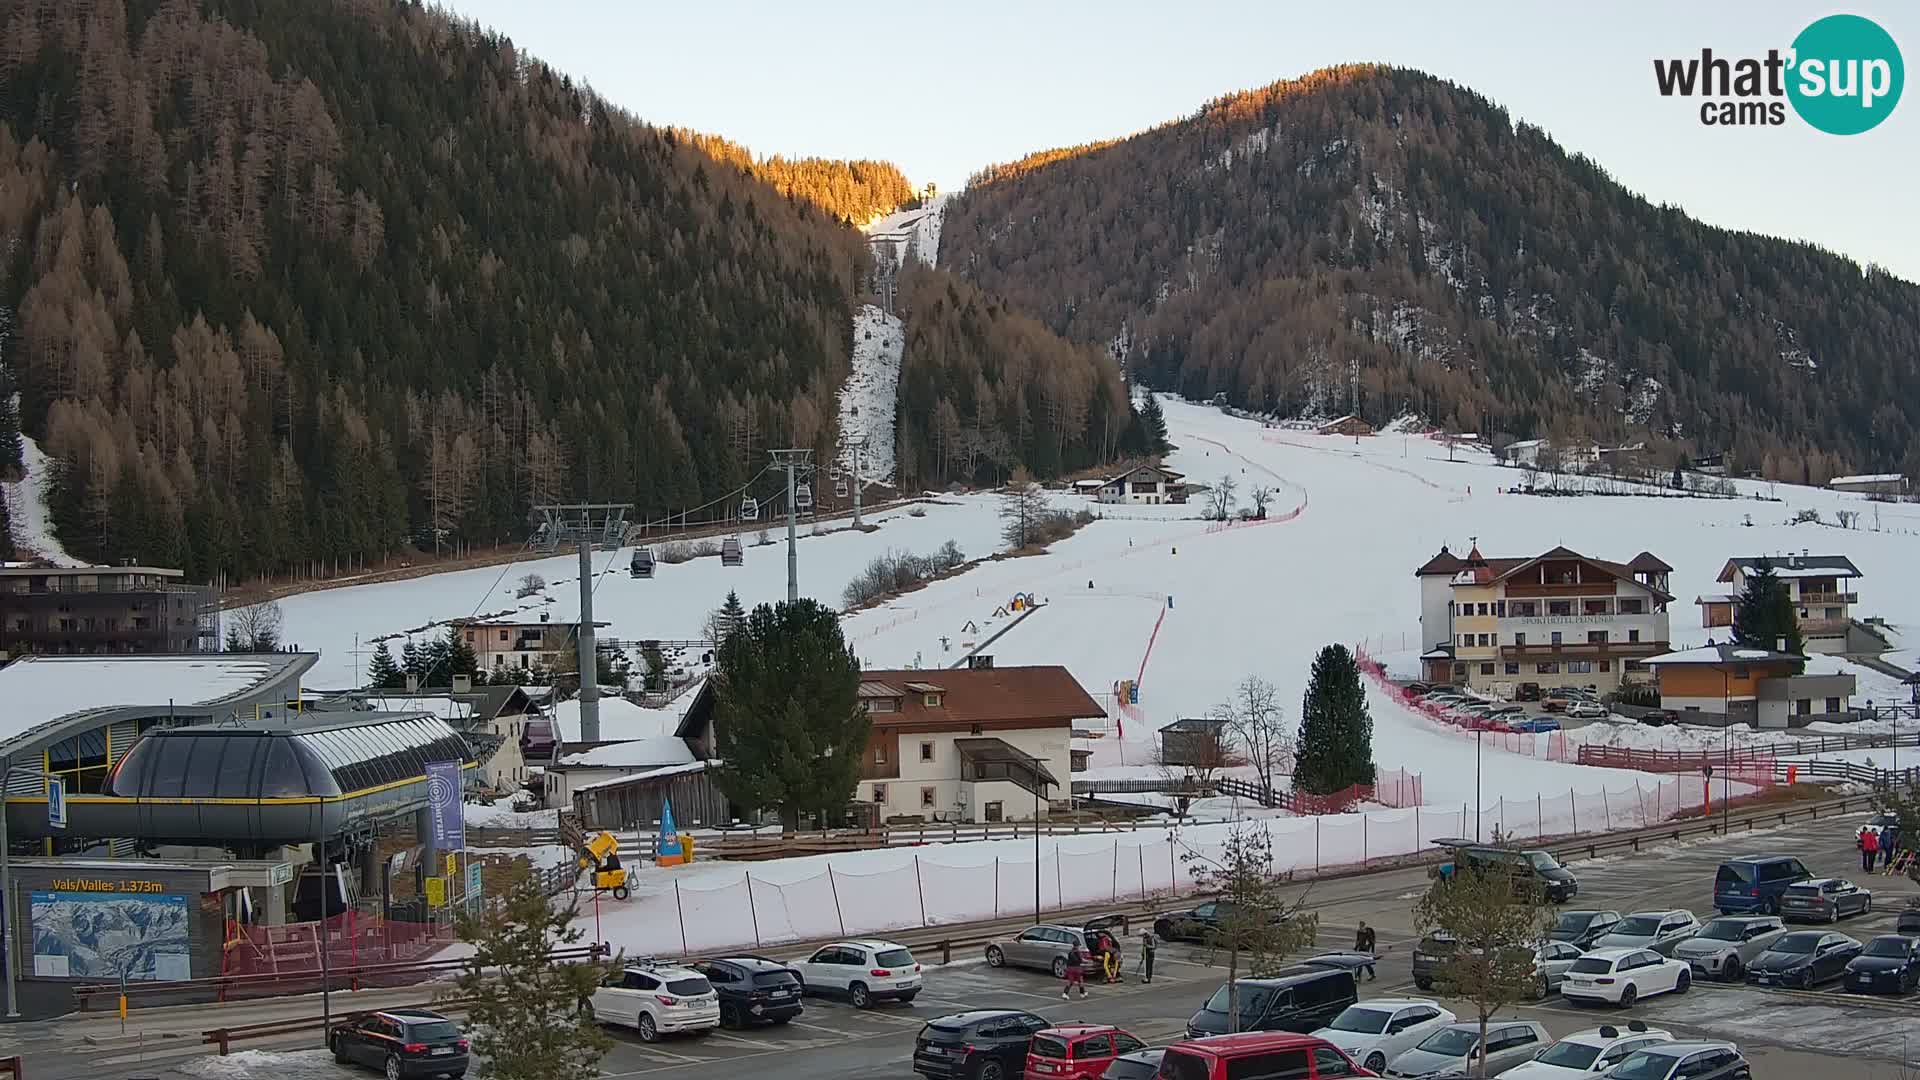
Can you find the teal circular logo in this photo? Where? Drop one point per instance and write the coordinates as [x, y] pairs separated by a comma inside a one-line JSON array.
[[1846, 75]]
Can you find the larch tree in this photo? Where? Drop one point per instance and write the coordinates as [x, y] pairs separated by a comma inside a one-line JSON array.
[[1496, 921], [787, 721]]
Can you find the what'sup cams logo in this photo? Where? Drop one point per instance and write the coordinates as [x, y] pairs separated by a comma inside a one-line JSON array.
[[1843, 75]]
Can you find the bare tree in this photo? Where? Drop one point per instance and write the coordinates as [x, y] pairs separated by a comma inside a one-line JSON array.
[[528, 585], [1258, 723], [1495, 921], [1220, 499], [1257, 923], [1022, 505], [1261, 495], [254, 628]]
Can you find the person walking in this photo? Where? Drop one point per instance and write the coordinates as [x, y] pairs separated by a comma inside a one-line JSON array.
[[1147, 946], [1363, 942], [1076, 972], [1869, 847]]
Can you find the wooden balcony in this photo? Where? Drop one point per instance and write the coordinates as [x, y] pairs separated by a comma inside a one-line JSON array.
[[1579, 588], [1579, 650], [1813, 598]]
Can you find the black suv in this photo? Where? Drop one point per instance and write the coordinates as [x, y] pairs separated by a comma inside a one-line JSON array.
[[1199, 923], [401, 1042], [987, 1044], [1302, 999], [1536, 870], [752, 989]]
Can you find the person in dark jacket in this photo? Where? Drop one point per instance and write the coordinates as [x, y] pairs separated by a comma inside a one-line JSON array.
[[1147, 946], [1076, 972], [1363, 942]]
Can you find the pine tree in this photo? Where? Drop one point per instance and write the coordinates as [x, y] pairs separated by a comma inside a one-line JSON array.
[[461, 659], [1763, 615], [413, 662], [382, 672], [787, 720], [525, 1012], [731, 615], [1154, 424], [1335, 745]]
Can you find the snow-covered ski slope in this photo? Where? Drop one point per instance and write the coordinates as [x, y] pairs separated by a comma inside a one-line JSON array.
[[27, 508], [868, 400], [914, 234]]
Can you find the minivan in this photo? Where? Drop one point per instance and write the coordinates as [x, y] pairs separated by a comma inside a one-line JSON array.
[[1755, 883], [1301, 999]]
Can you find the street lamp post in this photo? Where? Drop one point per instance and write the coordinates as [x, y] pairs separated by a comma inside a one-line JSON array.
[[1479, 740], [1038, 788]]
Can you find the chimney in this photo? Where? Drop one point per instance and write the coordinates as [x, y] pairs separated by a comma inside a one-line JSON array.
[[1779, 644]]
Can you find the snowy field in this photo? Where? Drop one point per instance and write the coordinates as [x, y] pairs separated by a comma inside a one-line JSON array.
[[27, 506]]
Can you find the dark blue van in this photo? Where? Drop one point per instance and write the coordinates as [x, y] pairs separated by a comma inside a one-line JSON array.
[[1754, 883]]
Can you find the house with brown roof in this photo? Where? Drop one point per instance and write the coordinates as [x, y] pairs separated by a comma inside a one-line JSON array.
[[1557, 618], [1145, 484], [969, 744]]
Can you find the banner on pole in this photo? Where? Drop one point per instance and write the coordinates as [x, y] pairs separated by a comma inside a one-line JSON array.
[[444, 814]]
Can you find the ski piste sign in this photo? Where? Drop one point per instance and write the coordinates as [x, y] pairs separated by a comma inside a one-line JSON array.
[[1843, 75], [669, 845]]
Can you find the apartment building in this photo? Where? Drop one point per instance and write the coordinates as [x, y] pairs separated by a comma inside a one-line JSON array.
[[1820, 586], [1558, 618], [66, 610]]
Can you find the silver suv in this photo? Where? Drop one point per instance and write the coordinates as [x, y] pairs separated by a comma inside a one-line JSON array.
[[1723, 948]]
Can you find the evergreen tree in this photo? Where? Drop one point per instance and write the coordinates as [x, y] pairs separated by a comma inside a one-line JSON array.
[[731, 615], [382, 672], [413, 662], [787, 720], [1153, 423], [1763, 614], [1335, 745], [461, 659], [656, 677], [525, 1013]]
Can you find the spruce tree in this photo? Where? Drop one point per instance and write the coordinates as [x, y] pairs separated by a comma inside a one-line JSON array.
[[787, 720], [413, 662], [382, 672], [1763, 614], [1334, 750], [731, 615], [1154, 423], [461, 659]]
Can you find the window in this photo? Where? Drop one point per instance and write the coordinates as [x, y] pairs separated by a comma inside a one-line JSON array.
[[1833, 704], [1606, 665], [503, 635], [1559, 607], [880, 704], [1520, 639], [1459, 671], [1803, 707], [993, 811], [1526, 609], [1500, 609], [1595, 607], [1832, 612], [1551, 667], [880, 755], [879, 793], [1632, 605], [1486, 669], [1329, 1062], [1466, 641], [1485, 640], [1556, 637], [1633, 635], [1596, 637], [1513, 669], [469, 637], [928, 796], [926, 751], [932, 701], [1483, 609], [1579, 667]]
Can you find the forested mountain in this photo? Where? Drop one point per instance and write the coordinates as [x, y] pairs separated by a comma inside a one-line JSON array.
[[1475, 272], [286, 282], [984, 388], [854, 191]]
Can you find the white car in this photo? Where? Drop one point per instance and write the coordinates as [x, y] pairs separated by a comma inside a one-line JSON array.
[[656, 1000], [1587, 710], [1586, 1053], [1376, 1031], [863, 971], [1623, 976]]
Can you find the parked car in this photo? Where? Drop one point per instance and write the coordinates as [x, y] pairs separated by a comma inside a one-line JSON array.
[[1534, 725], [1588, 710], [1623, 976], [1824, 900], [1295, 999], [1908, 921], [1551, 962], [1683, 1061], [986, 1044], [1755, 883], [1561, 698], [1198, 923], [1375, 1031], [752, 990], [1890, 964], [1256, 1054], [1804, 958], [1430, 954], [864, 971], [1527, 691], [1586, 1053], [1139, 1065], [1454, 1048], [1536, 869], [1725, 946], [1077, 1051], [401, 1042], [1043, 947], [1656, 930], [656, 1000], [1582, 928]]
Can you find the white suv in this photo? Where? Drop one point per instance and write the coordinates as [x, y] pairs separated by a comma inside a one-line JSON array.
[[656, 1000], [1588, 1053], [864, 971]]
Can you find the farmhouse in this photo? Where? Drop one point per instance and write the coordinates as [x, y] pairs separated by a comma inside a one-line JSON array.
[[1348, 425], [1893, 484], [1145, 484]]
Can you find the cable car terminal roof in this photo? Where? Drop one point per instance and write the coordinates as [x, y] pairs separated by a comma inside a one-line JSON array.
[[255, 775]]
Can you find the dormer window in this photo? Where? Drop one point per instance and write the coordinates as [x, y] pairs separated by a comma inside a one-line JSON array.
[[932, 701]]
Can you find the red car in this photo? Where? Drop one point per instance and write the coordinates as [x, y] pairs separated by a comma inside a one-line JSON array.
[[1077, 1051], [1257, 1053]]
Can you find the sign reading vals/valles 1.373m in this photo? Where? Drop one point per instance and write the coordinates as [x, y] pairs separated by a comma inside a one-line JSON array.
[[106, 885]]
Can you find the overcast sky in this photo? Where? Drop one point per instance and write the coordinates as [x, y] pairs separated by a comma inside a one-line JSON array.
[[942, 89]]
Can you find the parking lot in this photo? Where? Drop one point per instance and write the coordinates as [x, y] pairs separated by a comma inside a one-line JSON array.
[[1834, 1035]]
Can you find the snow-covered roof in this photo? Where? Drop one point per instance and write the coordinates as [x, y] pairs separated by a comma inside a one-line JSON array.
[[38, 689], [650, 752], [620, 720], [1721, 654], [1714, 598], [1868, 478], [650, 774]]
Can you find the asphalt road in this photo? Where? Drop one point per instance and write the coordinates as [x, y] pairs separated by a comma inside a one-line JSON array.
[[1786, 1034]]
